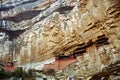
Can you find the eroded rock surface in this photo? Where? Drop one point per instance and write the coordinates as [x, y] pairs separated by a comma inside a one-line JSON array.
[[54, 27]]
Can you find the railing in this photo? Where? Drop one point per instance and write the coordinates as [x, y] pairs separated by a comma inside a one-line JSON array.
[[101, 40]]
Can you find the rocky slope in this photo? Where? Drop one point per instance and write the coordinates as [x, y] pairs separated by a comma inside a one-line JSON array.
[[46, 28]]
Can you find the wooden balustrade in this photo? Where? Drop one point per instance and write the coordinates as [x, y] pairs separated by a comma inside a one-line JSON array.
[[90, 43], [101, 40]]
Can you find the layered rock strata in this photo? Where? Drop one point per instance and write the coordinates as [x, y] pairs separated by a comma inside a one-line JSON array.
[[57, 27]]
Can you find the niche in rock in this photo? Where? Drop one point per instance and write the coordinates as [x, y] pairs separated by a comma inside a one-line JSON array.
[[23, 16], [65, 9], [12, 33]]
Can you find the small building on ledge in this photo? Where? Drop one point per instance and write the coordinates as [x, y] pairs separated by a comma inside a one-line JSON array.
[[9, 67], [58, 65]]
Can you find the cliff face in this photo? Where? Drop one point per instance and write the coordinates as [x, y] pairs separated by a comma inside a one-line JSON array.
[[59, 27]]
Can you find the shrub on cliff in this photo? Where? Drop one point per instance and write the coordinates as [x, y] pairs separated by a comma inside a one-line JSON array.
[[19, 73], [4, 74], [49, 72]]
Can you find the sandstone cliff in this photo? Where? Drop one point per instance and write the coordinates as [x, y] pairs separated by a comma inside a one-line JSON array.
[[54, 27]]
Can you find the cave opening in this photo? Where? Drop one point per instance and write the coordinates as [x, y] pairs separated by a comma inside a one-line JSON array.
[[65, 9]]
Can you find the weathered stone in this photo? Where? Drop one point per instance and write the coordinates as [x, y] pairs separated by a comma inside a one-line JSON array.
[[60, 27]]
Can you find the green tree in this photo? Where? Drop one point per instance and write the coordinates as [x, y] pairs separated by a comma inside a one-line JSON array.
[[19, 73], [4, 74]]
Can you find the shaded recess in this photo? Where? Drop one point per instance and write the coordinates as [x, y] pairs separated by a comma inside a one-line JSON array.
[[2, 64], [4, 8], [63, 9], [12, 33], [62, 57], [23, 16]]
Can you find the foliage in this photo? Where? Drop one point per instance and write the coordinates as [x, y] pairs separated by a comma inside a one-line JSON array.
[[49, 72], [19, 73], [4, 74]]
